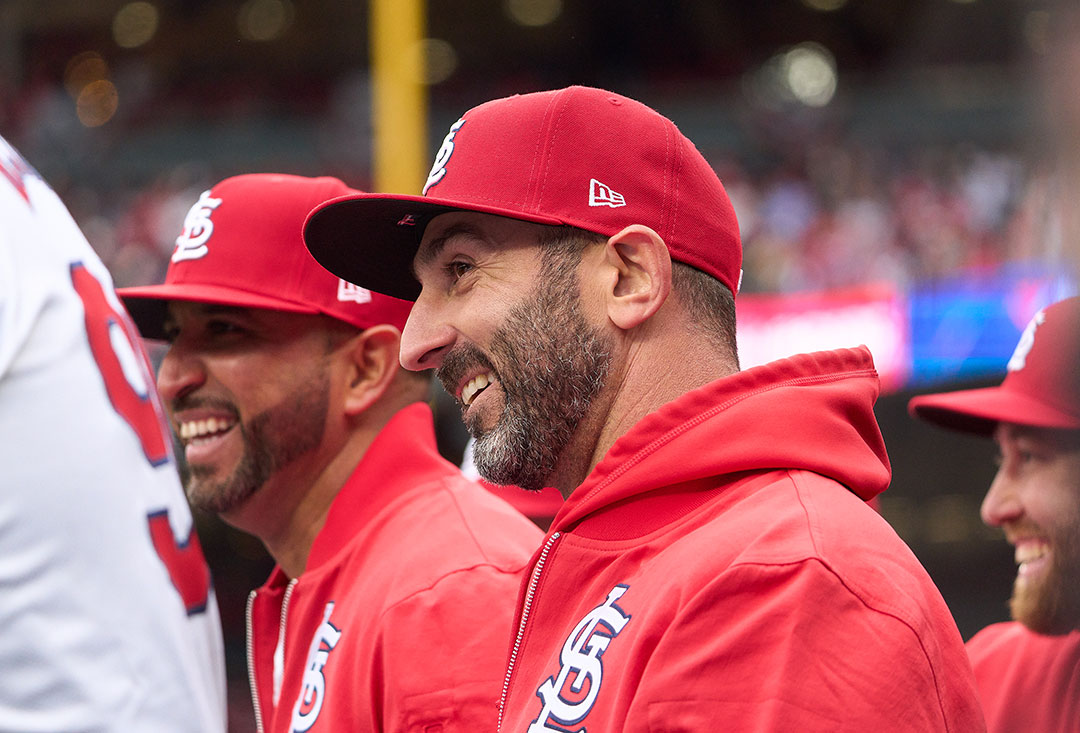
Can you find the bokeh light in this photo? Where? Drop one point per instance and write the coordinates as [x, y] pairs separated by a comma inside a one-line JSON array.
[[264, 20], [810, 73], [533, 13], [436, 60], [135, 24], [83, 69], [97, 103]]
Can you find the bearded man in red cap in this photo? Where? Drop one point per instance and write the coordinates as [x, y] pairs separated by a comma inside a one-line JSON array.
[[1028, 670], [387, 610], [715, 566]]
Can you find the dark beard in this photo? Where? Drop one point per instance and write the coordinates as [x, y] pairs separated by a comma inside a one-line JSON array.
[[1053, 605], [553, 364], [272, 440]]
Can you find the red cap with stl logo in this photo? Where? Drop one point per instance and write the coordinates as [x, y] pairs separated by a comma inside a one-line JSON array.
[[242, 245], [1041, 386], [577, 156]]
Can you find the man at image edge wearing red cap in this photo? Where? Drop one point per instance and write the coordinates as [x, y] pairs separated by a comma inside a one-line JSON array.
[[715, 566], [388, 609], [1028, 670]]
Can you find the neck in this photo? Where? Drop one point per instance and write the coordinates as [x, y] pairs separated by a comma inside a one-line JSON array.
[[289, 511], [648, 379]]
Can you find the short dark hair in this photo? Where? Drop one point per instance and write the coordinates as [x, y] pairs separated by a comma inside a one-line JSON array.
[[708, 303]]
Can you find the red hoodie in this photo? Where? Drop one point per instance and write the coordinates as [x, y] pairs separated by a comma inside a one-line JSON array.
[[1027, 681], [719, 570], [401, 618]]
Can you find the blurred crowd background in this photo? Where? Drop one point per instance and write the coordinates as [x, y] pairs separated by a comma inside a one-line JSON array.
[[915, 146]]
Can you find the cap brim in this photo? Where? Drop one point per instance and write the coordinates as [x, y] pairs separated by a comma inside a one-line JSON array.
[[978, 411], [370, 239], [148, 305]]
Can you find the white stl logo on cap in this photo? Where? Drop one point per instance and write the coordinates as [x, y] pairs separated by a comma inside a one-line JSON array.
[[1027, 340], [191, 244], [438, 168]]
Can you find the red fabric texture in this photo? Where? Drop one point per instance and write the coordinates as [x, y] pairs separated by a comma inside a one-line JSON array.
[[1026, 681], [422, 566], [720, 569]]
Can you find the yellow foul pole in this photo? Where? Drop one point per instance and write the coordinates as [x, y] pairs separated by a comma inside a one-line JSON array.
[[399, 95]]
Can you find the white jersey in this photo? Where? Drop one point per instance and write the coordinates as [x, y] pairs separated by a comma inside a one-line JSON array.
[[108, 621]]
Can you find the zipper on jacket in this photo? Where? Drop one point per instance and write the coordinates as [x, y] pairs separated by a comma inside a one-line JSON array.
[[276, 682], [525, 608]]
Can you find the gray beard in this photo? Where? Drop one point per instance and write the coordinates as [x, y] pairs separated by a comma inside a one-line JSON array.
[[553, 365]]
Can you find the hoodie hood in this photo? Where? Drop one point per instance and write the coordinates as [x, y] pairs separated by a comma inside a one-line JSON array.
[[812, 412]]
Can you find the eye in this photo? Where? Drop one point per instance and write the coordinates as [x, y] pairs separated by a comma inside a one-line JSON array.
[[219, 327], [170, 331], [458, 269]]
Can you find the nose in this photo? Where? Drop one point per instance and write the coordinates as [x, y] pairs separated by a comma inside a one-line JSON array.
[[179, 374], [426, 337], [1001, 504]]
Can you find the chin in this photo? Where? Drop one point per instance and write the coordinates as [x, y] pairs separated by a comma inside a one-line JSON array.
[[1045, 608]]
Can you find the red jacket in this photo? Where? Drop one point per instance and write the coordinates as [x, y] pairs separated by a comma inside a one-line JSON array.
[[1027, 681], [401, 618], [719, 570]]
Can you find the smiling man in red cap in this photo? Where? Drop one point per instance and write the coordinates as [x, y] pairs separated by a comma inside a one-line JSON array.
[[715, 566], [1028, 670], [388, 609]]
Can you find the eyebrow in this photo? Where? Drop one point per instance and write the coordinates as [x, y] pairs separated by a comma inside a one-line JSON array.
[[430, 252]]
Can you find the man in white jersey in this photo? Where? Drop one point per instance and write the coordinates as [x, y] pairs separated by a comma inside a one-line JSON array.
[[108, 621]]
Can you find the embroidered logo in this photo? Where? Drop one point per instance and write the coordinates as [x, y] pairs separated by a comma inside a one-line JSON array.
[[1027, 340], [191, 244], [601, 195], [313, 692], [567, 705], [409, 220], [438, 168], [346, 292]]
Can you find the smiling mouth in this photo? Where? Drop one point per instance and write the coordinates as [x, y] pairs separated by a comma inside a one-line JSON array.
[[475, 386], [1029, 553], [193, 431]]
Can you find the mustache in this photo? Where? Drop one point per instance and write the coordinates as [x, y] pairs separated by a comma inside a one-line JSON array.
[[459, 361], [190, 402]]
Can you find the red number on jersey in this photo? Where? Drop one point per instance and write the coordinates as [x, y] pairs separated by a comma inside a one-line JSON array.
[[127, 375], [123, 366]]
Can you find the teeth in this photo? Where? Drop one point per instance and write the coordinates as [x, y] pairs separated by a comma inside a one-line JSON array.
[[475, 384], [201, 428], [1029, 551]]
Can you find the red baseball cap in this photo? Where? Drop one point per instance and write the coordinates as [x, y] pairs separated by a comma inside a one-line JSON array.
[[1041, 386], [578, 156], [242, 245]]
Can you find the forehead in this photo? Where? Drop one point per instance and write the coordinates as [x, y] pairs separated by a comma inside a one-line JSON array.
[[179, 312], [1063, 441]]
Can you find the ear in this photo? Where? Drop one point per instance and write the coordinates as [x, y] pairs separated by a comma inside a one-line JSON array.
[[372, 363], [639, 267]]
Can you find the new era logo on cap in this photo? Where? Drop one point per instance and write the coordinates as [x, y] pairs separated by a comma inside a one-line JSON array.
[[191, 244], [347, 292], [601, 195]]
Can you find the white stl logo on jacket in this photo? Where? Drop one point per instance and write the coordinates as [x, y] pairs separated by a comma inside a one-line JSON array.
[[581, 654], [310, 700]]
